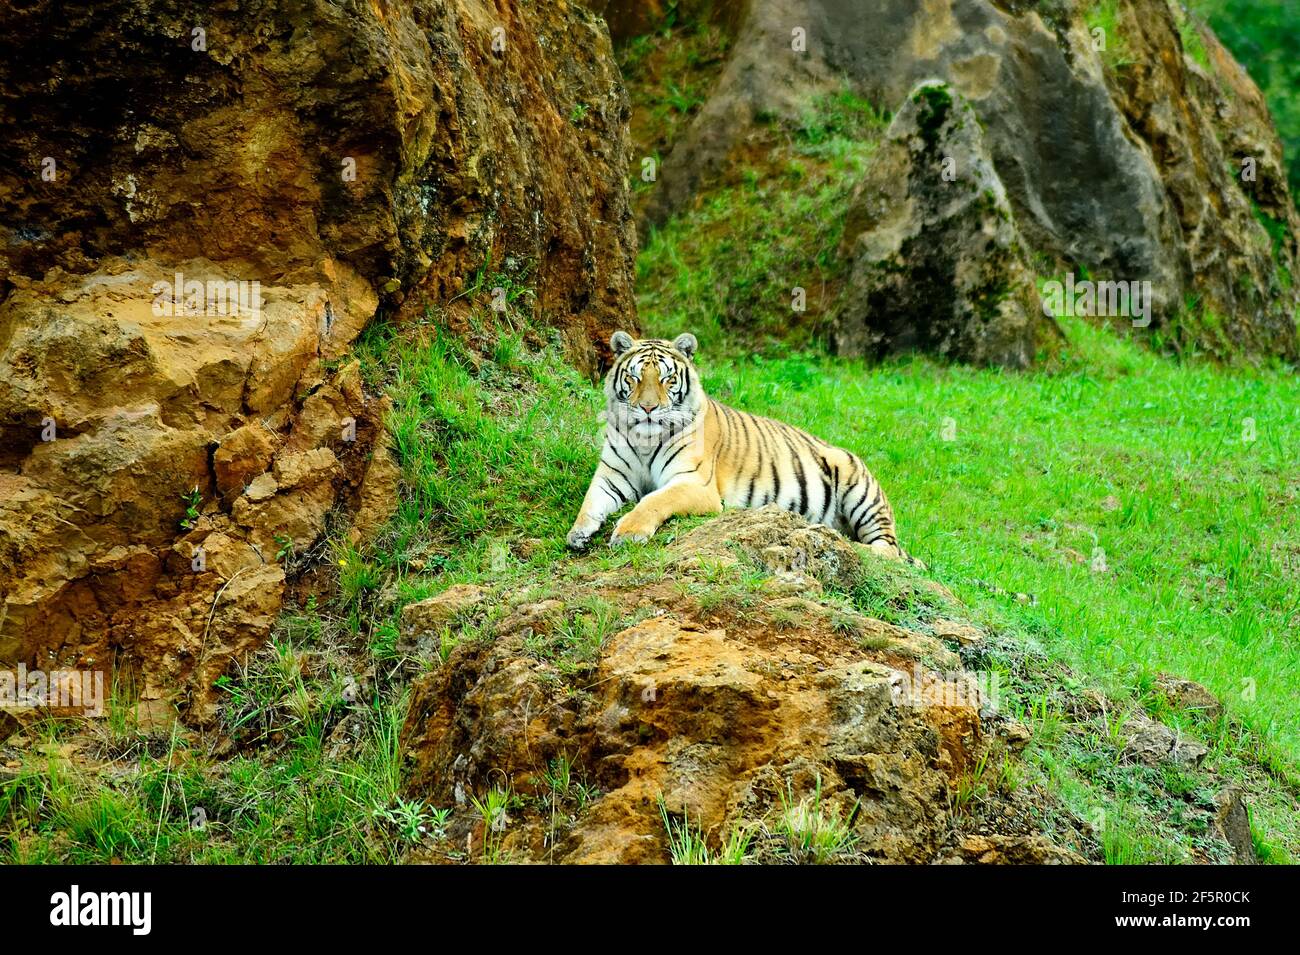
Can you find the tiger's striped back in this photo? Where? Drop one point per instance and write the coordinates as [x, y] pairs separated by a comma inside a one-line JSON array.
[[762, 461]]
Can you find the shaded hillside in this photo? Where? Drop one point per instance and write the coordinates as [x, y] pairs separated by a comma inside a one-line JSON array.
[[1130, 146]]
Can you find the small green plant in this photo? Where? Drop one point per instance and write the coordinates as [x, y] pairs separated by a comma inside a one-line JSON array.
[[784, 618], [687, 846], [971, 787], [814, 833], [846, 623], [837, 117], [1102, 19], [1189, 33], [492, 809], [275, 695], [1265, 850], [357, 576], [559, 776], [683, 100], [410, 818], [193, 504], [507, 351], [1046, 720], [575, 641], [1010, 776], [735, 850], [1126, 842], [566, 794], [1116, 738], [438, 819], [447, 642], [107, 824]]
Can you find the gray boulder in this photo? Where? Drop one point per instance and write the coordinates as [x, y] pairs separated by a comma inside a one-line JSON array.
[[938, 264]]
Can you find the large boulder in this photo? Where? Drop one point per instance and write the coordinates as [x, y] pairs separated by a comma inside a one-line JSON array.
[[1132, 153], [937, 262], [734, 697], [200, 209], [781, 715]]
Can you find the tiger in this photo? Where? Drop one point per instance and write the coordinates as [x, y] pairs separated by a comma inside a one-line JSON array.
[[672, 450]]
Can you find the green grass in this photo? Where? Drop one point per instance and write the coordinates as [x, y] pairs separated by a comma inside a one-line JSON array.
[[492, 454], [172, 804], [1149, 503], [1102, 19], [1193, 44], [812, 832], [687, 846], [1110, 448], [1114, 486]]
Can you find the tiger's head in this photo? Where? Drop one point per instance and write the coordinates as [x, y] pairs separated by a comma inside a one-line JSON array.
[[652, 389]]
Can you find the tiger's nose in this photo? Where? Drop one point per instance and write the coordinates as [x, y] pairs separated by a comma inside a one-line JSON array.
[[648, 408]]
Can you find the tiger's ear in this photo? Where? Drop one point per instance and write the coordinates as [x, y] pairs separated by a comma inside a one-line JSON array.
[[686, 344], [620, 342]]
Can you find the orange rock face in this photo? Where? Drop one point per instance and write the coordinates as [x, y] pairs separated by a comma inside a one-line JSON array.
[[202, 211]]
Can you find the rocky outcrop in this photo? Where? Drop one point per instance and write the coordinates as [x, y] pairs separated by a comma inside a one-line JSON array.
[[428, 617], [774, 718], [153, 482], [1189, 696], [1232, 825], [1123, 149], [1209, 134], [413, 147], [200, 209], [937, 263]]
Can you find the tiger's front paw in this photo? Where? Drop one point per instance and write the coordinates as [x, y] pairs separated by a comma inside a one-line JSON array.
[[578, 538], [631, 529]]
